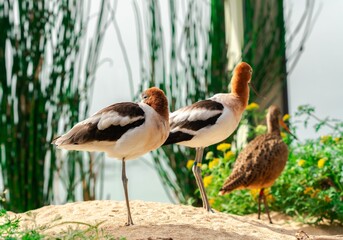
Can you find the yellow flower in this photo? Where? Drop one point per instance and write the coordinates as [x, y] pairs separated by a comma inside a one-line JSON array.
[[252, 106], [223, 147], [211, 201], [337, 139], [312, 192], [209, 155], [213, 163], [207, 180], [190, 164], [229, 154], [324, 139], [270, 198], [321, 162], [255, 192], [308, 190], [266, 191], [315, 192], [301, 162], [286, 117], [327, 199], [283, 135]]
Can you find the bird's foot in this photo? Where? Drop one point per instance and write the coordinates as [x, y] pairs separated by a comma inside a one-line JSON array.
[[129, 223], [209, 209]]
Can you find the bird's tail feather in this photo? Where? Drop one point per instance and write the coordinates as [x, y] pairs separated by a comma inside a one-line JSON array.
[[233, 182]]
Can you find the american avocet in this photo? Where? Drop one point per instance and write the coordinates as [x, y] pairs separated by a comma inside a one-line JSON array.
[[261, 161], [123, 130], [211, 121]]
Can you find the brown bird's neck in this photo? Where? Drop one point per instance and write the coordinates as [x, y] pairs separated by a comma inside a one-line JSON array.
[[240, 89], [273, 126]]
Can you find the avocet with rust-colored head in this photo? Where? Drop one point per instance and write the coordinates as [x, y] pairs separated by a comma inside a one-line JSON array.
[[124, 131], [211, 121]]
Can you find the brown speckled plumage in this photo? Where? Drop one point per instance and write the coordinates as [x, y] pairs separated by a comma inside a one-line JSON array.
[[261, 162]]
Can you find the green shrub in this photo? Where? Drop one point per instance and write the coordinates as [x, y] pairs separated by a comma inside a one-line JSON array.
[[310, 187], [9, 228]]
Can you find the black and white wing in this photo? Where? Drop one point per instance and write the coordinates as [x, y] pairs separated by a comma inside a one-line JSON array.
[[187, 122], [109, 124]]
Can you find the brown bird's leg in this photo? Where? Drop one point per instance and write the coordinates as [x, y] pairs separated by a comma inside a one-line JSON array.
[[197, 174], [259, 203], [125, 180], [266, 207]]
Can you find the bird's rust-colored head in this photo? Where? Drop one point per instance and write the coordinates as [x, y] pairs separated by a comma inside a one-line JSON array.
[[240, 82], [243, 71], [156, 99]]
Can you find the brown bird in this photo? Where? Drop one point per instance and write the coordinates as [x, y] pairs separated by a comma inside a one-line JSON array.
[[261, 162]]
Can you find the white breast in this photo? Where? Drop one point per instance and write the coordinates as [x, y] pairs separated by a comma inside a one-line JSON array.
[[218, 132], [140, 140]]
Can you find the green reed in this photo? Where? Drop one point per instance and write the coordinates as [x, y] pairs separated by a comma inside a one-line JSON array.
[[185, 73], [44, 89], [265, 49]]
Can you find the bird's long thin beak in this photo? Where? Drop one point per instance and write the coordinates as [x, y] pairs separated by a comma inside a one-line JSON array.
[[284, 126], [255, 91]]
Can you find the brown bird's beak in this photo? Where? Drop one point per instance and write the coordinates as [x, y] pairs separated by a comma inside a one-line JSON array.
[[284, 126]]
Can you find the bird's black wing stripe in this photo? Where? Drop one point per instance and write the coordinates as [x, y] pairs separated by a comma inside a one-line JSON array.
[[91, 132], [176, 137], [179, 136], [208, 105], [128, 109], [196, 125]]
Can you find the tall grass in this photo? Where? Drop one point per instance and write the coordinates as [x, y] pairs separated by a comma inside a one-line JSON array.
[[183, 72], [44, 89], [195, 67]]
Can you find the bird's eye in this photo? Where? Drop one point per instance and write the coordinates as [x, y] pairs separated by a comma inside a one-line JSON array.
[[144, 96]]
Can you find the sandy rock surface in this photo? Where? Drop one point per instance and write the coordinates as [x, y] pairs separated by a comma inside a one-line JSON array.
[[168, 221]]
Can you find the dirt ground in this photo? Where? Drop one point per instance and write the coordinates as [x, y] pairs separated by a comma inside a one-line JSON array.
[[154, 220]]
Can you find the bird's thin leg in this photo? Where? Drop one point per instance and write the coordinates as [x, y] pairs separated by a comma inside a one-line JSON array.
[[259, 203], [266, 207], [125, 180], [195, 170], [197, 174]]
